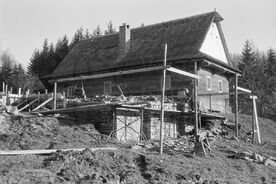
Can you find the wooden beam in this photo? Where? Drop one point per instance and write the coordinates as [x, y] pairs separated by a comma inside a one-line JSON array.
[[48, 151], [222, 68], [55, 96], [78, 108], [210, 105], [181, 72], [221, 94], [236, 105], [244, 90], [196, 99], [41, 105], [256, 118], [111, 74], [163, 99], [35, 100]]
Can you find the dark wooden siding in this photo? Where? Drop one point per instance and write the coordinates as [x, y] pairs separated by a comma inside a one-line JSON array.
[[150, 84]]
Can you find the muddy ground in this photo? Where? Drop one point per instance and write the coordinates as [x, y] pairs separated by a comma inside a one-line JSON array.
[[126, 165]]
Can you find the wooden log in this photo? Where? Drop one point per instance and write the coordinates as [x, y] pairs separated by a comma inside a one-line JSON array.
[[210, 105], [111, 74], [253, 122], [41, 105], [55, 96], [256, 119], [162, 99], [181, 72], [48, 151], [236, 106], [244, 90], [195, 99], [32, 102]]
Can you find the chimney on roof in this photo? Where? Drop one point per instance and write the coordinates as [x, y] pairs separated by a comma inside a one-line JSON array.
[[124, 39]]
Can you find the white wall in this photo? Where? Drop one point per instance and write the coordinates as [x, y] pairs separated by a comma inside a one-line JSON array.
[[212, 44]]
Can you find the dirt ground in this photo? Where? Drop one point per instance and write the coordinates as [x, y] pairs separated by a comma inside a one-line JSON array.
[[126, 165]]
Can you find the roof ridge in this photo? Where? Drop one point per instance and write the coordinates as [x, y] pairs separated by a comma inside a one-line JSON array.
[[101, 36], [175, 20]]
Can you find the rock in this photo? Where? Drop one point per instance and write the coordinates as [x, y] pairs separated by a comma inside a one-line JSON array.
[[234, 138], [149, 146], [258, 158], [268, 161], [4, 125], [12, 110], [136, 147]]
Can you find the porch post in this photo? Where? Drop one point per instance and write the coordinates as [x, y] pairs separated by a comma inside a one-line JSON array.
[[195, 100], [236, 106], [162, 100], [55, 95]]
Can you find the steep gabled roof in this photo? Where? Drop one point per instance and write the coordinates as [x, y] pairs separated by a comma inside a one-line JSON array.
[[183, 36]]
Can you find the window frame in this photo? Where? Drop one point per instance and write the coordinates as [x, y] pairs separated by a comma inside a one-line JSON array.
[[109, 90], [168, 82], [70, 91]]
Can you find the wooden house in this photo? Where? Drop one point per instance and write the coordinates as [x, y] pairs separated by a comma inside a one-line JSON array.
[[130, 58], [193, 39]]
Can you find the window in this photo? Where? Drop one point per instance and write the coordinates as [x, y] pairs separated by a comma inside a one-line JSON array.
[[209, 84], [70, 91], [220, 86], [107, 87], [168, 82]]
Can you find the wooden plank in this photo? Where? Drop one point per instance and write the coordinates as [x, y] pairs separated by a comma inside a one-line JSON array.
[[163, 99], [21, 103], [256, 119], [244, 90], [78, 108], [196, 99], [182, 72], [35, 100], [210, 105], [110, 74], [41, 105], [48, 151], [211, 63], [55, 96], [236, 106], [253, 120]]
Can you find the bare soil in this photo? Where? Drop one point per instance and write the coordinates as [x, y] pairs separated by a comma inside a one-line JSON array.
[[126, 165]]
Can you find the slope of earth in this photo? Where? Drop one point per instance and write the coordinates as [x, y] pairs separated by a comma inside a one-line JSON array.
[[147, 166]]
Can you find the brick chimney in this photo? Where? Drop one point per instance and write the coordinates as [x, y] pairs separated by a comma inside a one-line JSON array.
[[124, 39]]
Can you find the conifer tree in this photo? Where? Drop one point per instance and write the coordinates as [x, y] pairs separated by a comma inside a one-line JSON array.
[[97, 32], [110, 29], [77, 37]]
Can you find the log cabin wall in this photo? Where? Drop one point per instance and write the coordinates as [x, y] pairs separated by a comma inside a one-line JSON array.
[[149, 83]]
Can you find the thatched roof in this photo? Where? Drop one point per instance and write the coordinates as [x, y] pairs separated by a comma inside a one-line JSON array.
[[183, 36]]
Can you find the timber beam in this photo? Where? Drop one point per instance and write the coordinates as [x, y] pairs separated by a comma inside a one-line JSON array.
[[125, 72]]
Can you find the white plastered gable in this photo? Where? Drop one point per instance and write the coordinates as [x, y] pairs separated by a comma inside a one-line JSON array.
[[212, 44]]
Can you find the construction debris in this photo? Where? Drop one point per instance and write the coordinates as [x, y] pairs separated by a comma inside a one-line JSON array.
[[253, 157]]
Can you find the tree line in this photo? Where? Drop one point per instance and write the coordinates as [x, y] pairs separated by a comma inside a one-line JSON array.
[[259, 75], [14, 75], [45, 60]]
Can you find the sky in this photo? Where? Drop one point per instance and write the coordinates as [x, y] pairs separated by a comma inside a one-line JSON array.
[[24, 24]]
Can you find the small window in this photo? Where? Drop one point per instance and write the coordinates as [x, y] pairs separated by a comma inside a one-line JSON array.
[[107, 87], [209, 84], [168, 82], [220, 86], [70, 91]]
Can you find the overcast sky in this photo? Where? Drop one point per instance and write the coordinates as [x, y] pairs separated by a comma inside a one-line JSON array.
[[24, 24]]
